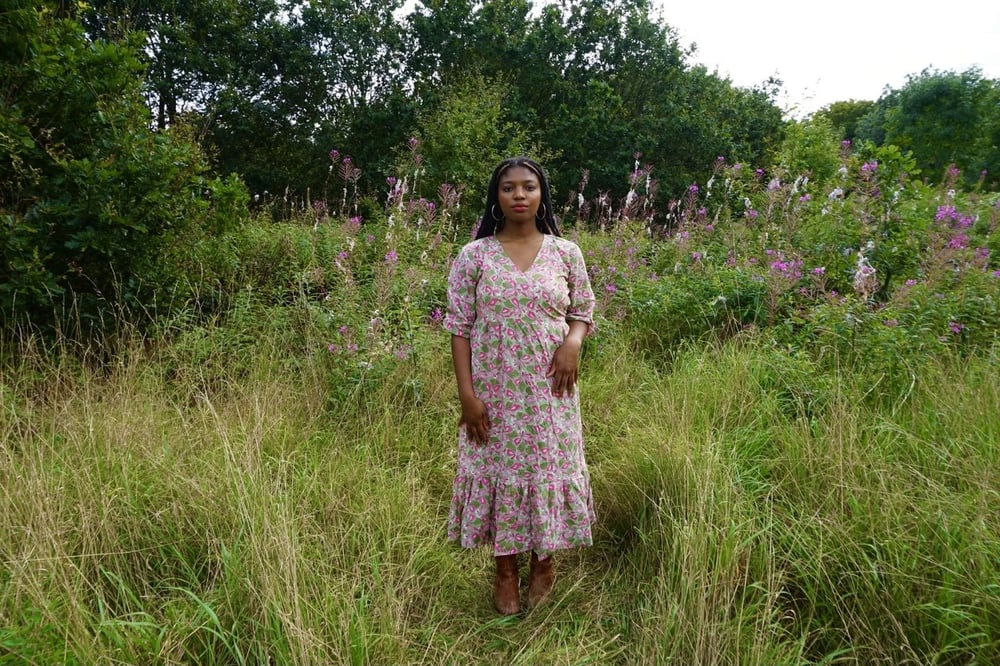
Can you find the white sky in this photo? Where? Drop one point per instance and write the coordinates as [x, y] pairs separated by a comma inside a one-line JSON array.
[[832, 51]]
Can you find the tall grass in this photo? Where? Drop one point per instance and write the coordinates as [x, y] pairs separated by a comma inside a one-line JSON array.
[[151, 516], [790, 418]]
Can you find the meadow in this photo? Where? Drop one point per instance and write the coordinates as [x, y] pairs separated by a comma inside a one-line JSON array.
[[790, 406]]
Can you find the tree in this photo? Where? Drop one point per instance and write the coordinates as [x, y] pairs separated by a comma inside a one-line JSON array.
[[465, 137], [269, 85], [844, 117], [92, 195], [944, 118]]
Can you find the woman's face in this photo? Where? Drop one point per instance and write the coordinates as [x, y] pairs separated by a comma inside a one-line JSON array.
[[519, 193]]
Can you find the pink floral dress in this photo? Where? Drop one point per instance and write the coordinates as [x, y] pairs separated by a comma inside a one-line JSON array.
[[528, 488]]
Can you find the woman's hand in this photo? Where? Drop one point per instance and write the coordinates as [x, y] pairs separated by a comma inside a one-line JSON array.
[[564, 368], [475, 419], [566, 361]]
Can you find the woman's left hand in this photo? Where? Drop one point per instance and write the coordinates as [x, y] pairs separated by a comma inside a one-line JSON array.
[[564, 367]]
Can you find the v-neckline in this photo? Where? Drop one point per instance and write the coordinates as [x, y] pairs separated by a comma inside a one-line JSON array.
[[513, 263]]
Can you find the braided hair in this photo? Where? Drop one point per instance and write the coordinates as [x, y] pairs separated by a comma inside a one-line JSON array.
[[546, 221]]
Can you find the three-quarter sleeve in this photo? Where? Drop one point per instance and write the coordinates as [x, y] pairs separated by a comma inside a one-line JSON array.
[[462, 281], [581, 295]]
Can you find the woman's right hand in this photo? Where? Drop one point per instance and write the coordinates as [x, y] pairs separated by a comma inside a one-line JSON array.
[[475, 419]]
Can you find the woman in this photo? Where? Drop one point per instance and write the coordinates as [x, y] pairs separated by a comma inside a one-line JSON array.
[[519, 306]]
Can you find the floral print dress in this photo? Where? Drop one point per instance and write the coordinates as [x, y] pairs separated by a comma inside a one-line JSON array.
[[528, 488]]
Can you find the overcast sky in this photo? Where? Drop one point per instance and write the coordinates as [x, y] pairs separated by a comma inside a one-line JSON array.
[[831, 51]]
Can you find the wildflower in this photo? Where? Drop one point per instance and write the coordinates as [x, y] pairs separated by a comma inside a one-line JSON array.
[[693, 189], [334, 155], [403, 352], [752, 214], [865, 281], [758, 173], [845, 144], [343, 255], [611, 288], [956, 327], [945, 214], [910, 283], [436, 315], [959, 242], [837, 193], [996, 273], [819, 270], [891, 323], [413, 142], [332, 348], [391, 258], [869, 167], [696, 256], [774, 184], [804, 198], [354, 223], [352, 347]]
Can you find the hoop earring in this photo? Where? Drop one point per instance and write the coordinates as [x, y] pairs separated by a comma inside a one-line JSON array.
[[493, 214], [541, 209]]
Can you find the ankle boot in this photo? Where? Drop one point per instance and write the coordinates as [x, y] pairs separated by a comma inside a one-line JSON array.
[[540, 580], [506, 587]]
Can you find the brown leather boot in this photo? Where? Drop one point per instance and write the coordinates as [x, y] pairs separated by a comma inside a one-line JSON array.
[[506, 587], [540, 580]]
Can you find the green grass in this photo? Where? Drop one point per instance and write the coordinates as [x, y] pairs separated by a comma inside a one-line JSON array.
[[200, 500]]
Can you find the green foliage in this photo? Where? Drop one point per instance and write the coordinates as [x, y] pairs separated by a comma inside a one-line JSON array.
[[466, 135], [594, 83], [92, 197], [943, 117], [810, 148], [844, 117], [692, 305]]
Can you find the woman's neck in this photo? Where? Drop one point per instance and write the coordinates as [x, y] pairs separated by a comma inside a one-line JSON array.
[[518, 231]]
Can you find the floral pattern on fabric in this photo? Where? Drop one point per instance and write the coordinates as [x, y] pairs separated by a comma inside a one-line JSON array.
[[528, 488]]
